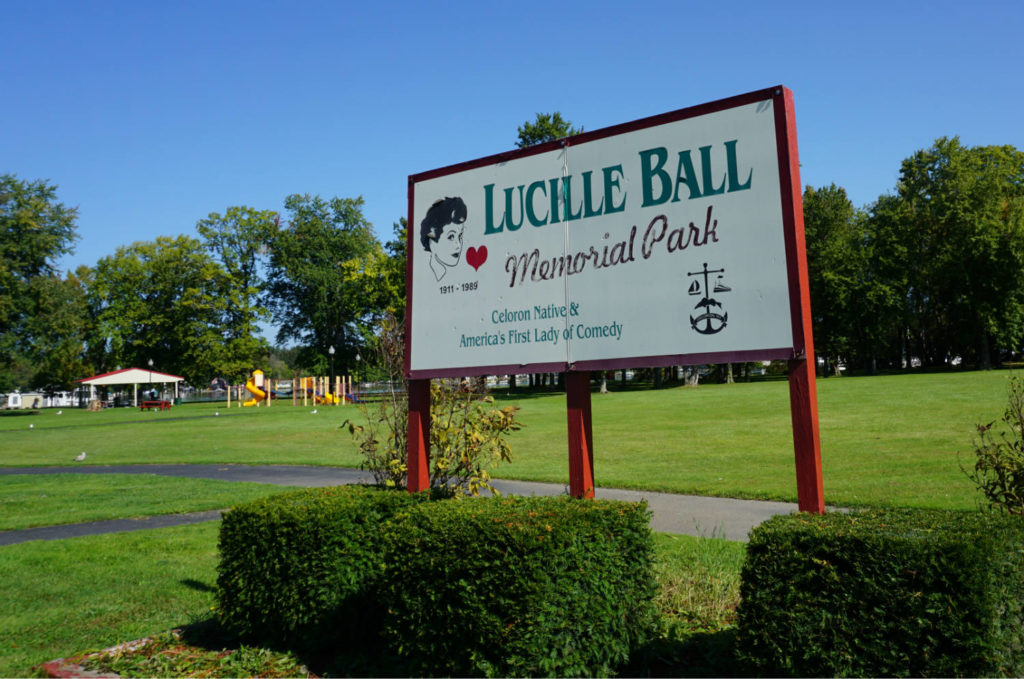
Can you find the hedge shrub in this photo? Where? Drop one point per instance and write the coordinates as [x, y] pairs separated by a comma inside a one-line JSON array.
[[300, 569], [518, 586], [884, 593]]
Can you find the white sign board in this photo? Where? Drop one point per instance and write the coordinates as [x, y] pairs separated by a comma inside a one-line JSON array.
[[658, 242]]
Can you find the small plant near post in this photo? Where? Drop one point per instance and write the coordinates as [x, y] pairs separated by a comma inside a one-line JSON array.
[[467, 432], [999, 468]]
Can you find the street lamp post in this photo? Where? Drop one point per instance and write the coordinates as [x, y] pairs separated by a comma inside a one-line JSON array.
[[150, 377], [330, 350]]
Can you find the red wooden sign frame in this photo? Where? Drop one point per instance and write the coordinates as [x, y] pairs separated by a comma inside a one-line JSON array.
[[800, 357]]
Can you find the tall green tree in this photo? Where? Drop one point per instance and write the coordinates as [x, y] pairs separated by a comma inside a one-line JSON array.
[[35, 230], [58, 332], [546, 127], [164, 300], [324, 278], [960, 226], [239, 240], [834, 266], [854, 301]]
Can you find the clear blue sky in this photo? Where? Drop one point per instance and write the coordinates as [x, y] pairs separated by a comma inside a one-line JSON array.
[[150, 115]]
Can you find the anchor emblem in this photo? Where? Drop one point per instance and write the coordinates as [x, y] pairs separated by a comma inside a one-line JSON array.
[[708, 322]]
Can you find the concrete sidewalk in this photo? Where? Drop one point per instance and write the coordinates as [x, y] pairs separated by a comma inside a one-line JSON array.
[[684, 514]]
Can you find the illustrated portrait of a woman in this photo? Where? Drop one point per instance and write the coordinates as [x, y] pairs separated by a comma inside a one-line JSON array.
[[441, 234]]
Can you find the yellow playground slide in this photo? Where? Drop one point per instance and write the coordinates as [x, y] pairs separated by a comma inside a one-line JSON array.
[[329, 399], [257, 393]]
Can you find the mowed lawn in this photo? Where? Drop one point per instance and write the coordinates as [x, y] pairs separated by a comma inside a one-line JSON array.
[[891, 440], [886, 440]]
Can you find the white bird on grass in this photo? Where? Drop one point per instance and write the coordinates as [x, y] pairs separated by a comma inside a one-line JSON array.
[[314, 411], [31, 426], [59, 412], [217, 414], [80, 456]]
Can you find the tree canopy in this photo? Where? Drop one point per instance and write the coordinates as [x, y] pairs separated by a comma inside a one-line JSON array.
[[164, 300], [546, 127], [35, 230], [324, 277], [931, 274], [239, 242]]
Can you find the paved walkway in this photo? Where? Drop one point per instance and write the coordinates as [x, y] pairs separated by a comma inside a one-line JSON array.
[[684, 514]]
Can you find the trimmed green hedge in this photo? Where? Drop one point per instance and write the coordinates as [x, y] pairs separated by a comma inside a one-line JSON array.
[[300, 569], [518, 586], [884, 593]]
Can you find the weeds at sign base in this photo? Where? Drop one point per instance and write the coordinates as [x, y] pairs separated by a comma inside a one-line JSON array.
[[467, 432]]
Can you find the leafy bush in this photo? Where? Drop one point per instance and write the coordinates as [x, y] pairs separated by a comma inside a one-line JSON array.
[[518, 586], [467, 432], [300, 569], [884, 593], [999, 468]]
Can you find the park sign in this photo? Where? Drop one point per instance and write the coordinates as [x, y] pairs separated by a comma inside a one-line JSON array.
[[665, 241], [672, 240]]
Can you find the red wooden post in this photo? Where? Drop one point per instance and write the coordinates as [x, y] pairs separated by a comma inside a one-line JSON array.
[[803, 391], [418, 471], [581, 434], [803, 405]]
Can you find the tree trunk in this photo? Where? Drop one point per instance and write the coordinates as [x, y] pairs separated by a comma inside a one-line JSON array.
[[984, 352], [728, 374], [511, 384], [604, 382]]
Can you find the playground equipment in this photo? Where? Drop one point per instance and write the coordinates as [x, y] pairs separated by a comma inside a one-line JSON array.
[[318, 393], [254, 385], [300, 390]]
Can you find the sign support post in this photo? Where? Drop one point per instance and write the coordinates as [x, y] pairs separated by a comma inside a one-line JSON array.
[[581, 434], [803, 391], [803, 405], [418, 469]]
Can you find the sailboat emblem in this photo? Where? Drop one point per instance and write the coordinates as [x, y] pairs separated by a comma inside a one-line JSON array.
[[709, 321]]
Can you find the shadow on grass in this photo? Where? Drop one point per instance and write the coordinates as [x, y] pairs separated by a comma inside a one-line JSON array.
[[700, 654], [366, 660], [197, 585]]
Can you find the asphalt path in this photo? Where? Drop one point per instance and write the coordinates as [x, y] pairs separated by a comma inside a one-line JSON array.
[[683, 514]]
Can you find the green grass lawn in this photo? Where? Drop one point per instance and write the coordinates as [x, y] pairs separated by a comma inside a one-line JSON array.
[[887, 440], [27, 501], [62, 597], [891, 440], [195, 432], [66, 597]]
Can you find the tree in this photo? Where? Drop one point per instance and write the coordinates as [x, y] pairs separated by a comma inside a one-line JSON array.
[[547, 127], [164, 300], [238, 240], [836, 263], [35, 229], [324, 278], [961, 229], [58, 332], [393, 281]]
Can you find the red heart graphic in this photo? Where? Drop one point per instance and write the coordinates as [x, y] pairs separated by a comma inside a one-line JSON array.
[[476, 257]]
